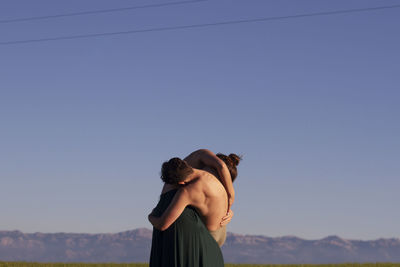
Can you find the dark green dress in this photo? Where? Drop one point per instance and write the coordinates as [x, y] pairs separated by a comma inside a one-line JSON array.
[[186, 243]]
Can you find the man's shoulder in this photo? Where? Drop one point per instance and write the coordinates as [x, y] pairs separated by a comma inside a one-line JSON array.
[[197, 187]]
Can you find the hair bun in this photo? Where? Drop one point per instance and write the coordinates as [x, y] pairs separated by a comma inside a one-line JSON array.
[[235, 159]]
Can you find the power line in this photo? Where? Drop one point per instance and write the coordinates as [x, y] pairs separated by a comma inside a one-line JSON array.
[[344, 11], [91, 12]]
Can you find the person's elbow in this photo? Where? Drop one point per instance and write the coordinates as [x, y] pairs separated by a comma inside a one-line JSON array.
[[161, 227], [220, 165], [158, 223]]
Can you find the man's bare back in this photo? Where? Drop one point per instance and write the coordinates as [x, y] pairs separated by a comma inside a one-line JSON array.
[[209, 197], [206, 160], [205, 193]]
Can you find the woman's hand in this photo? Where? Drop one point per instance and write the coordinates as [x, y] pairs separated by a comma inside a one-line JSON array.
[[227, 218]]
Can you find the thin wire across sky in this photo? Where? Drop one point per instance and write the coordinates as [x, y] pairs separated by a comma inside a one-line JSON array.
[[100, 11], [192, 26]]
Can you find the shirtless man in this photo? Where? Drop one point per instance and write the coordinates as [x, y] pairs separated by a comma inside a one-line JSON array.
[[200, 188]]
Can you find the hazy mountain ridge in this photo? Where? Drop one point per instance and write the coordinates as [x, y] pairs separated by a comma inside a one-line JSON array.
[[134, 246], [290, 249]]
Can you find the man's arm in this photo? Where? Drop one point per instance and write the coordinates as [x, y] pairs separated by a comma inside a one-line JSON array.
[[174, 210]]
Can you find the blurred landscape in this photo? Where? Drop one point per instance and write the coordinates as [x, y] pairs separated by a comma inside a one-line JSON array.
[[134, 246], [34, 264]]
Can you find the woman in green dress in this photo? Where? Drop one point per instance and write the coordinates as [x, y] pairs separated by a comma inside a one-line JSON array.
[[186, 241]]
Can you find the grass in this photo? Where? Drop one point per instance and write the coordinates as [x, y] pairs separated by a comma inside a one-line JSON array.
[[36, 264]]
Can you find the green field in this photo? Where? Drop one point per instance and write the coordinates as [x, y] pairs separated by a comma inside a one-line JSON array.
[[34, 264]]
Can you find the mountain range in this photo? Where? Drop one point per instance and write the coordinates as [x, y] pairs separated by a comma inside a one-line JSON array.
[[134, 246]]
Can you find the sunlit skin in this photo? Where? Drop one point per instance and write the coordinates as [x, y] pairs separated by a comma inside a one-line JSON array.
[[205, 159], [202, 190]]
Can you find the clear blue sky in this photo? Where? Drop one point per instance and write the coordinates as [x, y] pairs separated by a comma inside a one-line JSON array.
[[311, 103]]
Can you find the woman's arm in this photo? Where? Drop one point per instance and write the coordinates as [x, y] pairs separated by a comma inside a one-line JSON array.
[[208, 158], [174, 210]]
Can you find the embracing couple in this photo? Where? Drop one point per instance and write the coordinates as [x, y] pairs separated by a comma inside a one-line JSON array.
[[194, 207]]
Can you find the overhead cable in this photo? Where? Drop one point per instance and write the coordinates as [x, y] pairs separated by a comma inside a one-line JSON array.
[[100, 11], [231, 22]]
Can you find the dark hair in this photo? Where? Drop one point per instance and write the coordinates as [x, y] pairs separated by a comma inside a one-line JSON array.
[[175, 170], [231, 162]]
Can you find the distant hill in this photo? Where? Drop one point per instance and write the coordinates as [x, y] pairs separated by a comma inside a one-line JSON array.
[[134, 246], [294, 250]]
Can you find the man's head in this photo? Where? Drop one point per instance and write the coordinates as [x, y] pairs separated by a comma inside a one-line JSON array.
[[175, 171], [231, 162]]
